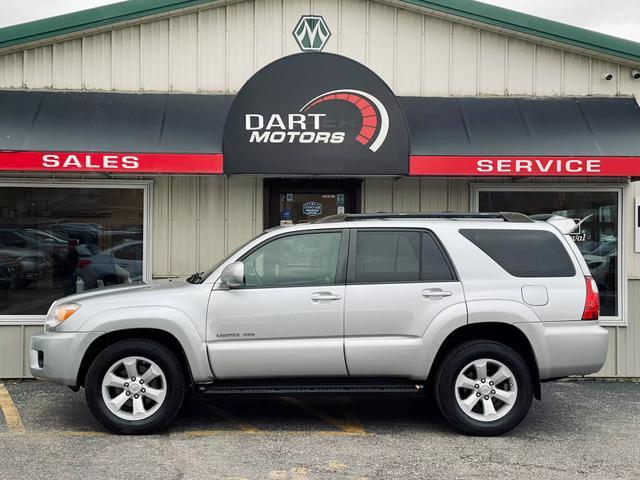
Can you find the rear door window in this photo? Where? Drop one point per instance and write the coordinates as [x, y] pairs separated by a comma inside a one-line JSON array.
[[388, 256], [435, 267], [523, 253]]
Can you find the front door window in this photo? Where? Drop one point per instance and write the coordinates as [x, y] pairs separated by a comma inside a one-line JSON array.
[[295, 260]]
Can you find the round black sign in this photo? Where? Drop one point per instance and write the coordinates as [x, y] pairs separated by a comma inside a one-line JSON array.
[[316, 114]]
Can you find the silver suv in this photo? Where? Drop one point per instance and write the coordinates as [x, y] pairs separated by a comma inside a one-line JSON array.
[[475, 309]]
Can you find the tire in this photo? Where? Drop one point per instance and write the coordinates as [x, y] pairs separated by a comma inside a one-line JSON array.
[[157, 401], [476, 417]]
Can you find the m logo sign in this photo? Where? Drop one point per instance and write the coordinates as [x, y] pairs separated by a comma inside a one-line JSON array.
[[311, 33]]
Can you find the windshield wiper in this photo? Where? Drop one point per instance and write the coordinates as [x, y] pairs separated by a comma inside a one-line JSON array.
[[195, 278]]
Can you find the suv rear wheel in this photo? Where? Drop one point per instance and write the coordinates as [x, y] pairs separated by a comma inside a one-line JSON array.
[[135, 386], [483, 388]]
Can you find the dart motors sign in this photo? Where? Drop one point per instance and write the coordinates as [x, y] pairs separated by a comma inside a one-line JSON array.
[[318, 114]]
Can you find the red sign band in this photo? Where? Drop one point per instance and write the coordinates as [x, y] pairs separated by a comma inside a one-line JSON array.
[[136, 163], [526, 166]]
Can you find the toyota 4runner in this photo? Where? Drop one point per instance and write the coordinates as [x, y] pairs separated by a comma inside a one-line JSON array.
[[474, 309]]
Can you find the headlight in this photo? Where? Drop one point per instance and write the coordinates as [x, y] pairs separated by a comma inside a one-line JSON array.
[[60, 314]]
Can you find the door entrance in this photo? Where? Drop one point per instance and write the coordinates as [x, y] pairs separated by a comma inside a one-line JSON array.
[[290, 202]]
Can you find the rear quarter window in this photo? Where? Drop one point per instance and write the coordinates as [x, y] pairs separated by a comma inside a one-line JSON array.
[[523, 253]]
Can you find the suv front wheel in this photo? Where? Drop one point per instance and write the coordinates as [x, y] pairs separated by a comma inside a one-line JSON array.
[[483, 388], [135, 386]]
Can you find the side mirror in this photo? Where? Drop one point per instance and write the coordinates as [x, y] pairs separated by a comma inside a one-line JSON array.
[[233, 275]]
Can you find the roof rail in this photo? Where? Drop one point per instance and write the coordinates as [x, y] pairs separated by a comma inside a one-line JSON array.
[[504, 216]]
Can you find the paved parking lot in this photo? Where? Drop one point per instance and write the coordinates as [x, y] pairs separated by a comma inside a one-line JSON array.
[[582, 429]]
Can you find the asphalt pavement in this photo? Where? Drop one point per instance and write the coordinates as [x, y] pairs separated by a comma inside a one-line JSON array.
[[581, 429]]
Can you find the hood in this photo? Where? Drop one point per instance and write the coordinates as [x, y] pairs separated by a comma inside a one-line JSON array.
[[118, 291]]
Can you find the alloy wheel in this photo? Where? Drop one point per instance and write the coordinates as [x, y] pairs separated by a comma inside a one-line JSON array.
[[134, 388], [486, 389]]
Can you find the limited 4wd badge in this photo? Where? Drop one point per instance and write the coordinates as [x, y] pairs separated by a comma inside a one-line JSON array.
[[312, 209], [316, 113]]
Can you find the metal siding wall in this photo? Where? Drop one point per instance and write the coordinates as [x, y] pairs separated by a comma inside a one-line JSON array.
[[408, 54], [548, 71], [183, 59], [96, 62], [125, 52], [436, 73], [199, 219], [464, 60], [11, 70], [577, 74], [381, 41], [269, 28], [626, 84], [38, 67], [154, 56], [415, 195], [493, 48], [217, 48], [183, 225], [354, 24], [521, 64], [212, 50], [14, 349], [627, 345], [241, 44], [67, 64], [600, 86]]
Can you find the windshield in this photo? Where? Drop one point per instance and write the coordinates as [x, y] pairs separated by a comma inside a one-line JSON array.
[[201, 277]]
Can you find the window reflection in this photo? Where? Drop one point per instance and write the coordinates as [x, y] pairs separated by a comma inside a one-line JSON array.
[[59, 241], [596, 236]]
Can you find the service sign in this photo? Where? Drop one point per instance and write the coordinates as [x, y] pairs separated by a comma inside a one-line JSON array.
[[316, 114], [523, 166]]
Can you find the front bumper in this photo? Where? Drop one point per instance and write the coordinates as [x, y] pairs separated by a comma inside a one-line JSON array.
[[57, 356], [567, 348]]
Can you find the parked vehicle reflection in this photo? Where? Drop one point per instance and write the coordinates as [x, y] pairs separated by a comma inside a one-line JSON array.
[[94, 269], [31, 264]]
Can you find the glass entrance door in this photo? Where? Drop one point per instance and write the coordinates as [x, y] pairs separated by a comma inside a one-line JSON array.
[[292, 202]]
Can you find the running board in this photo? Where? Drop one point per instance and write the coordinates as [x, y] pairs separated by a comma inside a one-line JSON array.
[[299, 387]]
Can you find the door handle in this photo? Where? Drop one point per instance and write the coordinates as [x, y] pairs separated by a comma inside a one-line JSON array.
[[435, 293], [318, 296]]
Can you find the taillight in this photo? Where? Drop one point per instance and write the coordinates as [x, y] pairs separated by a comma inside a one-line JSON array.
[[592, 302], [84, 262]]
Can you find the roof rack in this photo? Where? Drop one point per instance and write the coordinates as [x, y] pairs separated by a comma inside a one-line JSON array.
[[504, 216]]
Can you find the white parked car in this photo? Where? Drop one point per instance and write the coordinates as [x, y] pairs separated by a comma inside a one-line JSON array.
[[475, 309]]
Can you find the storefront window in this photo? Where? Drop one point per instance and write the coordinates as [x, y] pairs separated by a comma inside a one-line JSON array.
[[596, 237], [60, 241]]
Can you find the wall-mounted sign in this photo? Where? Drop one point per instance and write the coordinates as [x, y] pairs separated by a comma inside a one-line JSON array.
[[312, 33], [316, 114], [312, 209], [524, 166], [118, 162]]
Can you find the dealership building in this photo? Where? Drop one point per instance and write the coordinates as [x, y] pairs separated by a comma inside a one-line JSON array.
[[145, 140]]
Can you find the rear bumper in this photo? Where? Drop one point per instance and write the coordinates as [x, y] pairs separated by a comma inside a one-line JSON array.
[[567, 348], [57, 356]]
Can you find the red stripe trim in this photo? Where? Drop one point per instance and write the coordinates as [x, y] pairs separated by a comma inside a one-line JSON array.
[[524, 166], [135, 163]]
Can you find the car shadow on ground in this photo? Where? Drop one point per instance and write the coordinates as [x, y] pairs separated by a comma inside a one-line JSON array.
[[48, 407]]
